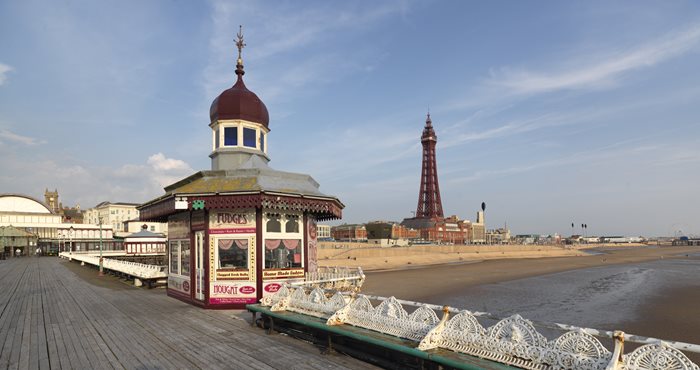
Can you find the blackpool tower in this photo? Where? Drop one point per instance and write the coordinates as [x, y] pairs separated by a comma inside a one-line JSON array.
[[429, 203]]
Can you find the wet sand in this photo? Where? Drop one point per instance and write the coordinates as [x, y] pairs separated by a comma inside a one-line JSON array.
[[651, 292]]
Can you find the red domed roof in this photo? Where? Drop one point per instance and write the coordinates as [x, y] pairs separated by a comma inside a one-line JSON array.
[[239, 103]]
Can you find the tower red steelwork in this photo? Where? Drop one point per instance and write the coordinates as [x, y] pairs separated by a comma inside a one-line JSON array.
[[429, 203]]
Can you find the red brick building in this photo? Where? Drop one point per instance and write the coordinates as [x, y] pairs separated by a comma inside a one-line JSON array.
[[349, 233]]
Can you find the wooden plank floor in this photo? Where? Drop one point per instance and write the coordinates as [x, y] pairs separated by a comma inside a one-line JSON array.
[[55, 314]]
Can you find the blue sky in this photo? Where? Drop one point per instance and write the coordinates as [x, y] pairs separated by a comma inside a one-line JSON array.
[[551, 112]]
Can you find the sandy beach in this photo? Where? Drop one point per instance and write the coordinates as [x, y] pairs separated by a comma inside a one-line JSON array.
[[378, 258], [649, 291]]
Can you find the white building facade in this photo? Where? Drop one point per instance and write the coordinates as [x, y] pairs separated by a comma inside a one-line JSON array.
[[52, 235]]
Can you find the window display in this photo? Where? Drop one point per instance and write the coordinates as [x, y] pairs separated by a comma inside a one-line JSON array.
[[174, 257], [282, 253], [233, 253], [184, 257]]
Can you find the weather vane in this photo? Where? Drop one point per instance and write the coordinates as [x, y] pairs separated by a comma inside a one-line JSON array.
[[240, 44]]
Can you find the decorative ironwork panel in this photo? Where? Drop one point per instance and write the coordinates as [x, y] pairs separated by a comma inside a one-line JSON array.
[[658, 356]]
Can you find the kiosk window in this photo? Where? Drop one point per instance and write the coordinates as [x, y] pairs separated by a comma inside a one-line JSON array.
[[174, 257], [292, 225], [233, 253], [230, 136], [274, 225], [249, 137], [282, 253], [184, 257]]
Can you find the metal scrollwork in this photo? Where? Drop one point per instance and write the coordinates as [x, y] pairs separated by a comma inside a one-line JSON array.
[[271, 299], [658, 356], [389, 317], [513, 341], [577, 350]]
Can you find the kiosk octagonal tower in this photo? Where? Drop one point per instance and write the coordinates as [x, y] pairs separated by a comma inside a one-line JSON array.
[[239, 231], [239, 123]]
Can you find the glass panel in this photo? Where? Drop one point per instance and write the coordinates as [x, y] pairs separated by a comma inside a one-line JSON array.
[[230, 136], [273, 225], [233, 253], [262, 141], [174, 257], [216, 138], [185, 257], [292, 226], [282, 253], [249, 137]]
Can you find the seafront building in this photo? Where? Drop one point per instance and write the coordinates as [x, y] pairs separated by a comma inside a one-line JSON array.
[[387, 234], [237, 232], [324, 232], [28, 224], [349, 233], [68, 214]]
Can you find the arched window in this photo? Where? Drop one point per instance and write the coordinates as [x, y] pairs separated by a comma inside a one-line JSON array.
[[273, 224], [292, 225]]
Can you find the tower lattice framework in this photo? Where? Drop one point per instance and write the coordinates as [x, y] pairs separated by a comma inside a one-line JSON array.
[[429, 203]]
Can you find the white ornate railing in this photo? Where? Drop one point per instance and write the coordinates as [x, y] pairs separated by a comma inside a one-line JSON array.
[[513, 340], [336, 278], [135, 269]]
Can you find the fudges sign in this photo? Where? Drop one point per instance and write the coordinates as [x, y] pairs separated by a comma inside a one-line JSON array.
[[232, 222]]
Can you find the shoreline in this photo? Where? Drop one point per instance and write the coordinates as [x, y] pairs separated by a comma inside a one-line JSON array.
[[629, 290], [393, 281], [372, 258]]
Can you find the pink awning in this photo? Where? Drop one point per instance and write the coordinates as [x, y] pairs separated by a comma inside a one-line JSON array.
[[272, 243], [291, 244]]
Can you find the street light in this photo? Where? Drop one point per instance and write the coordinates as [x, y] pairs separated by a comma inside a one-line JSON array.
[[101, 270], [70, 235]]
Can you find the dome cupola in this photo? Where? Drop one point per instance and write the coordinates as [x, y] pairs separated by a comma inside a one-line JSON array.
[[239, 122], [238, 102]]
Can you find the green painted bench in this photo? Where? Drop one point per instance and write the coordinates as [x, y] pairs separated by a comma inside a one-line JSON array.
[[363, 338]]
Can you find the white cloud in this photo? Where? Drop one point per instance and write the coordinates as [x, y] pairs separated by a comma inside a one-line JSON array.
[[4, 68], [26, 140], [87, 184], [601, 71], [160, 163]]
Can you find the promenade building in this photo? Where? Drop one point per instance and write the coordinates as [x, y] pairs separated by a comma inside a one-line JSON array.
[[72, 215], [388, 234], [239, 231], [349, 233], [114, 215], [35, 224], [136, 225], [323, 231]]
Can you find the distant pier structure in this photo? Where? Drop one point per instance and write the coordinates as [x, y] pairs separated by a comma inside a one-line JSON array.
[[239, 231]]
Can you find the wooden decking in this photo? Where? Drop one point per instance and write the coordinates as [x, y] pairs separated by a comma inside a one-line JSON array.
[[56, 314]]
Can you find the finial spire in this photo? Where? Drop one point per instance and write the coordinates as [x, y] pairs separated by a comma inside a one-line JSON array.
[[240, 45], [428, 121]]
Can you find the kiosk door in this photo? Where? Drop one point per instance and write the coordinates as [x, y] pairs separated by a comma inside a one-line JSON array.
[[199, 265]]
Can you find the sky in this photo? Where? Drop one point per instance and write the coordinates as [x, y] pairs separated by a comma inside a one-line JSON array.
[[550, 112]]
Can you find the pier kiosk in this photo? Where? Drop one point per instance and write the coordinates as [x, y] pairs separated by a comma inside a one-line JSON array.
[[238, 231]]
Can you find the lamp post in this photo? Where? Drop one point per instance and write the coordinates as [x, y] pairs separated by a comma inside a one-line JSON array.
[[101, 269], [70, 235]]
